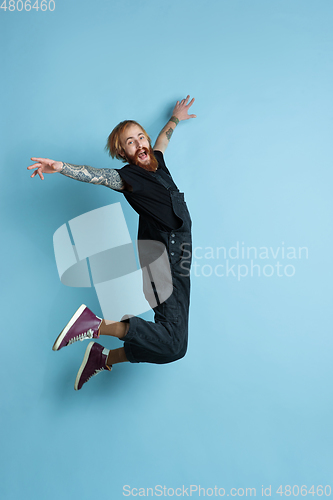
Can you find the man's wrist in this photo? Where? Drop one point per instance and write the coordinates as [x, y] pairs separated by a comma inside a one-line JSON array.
[[59, 166], [174, 119]]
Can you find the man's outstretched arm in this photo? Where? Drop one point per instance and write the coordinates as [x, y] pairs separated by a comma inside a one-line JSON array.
[[180, 112], [105, 176]]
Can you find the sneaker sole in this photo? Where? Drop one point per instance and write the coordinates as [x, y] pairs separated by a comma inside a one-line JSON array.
[[69, 325], [83, 365]]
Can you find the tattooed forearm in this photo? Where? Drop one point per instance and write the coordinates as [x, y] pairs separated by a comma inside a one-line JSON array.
[[164, 136], [105, 176], [174, 119], [169, 133]]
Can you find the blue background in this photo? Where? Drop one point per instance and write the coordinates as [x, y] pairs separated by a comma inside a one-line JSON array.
[[251, 403]]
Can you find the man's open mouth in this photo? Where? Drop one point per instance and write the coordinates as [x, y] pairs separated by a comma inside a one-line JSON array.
[[143, 155]]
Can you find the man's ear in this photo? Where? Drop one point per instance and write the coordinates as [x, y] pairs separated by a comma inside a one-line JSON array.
[[122, 154]]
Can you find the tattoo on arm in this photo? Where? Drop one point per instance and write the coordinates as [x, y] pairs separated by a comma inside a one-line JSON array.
[[174, 119], [105, 176], [169, 133]]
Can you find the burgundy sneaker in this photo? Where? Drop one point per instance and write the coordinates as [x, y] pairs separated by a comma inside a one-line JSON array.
[[83, 325], [94, 362]]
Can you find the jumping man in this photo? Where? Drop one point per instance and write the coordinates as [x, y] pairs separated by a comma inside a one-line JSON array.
[[149, 188]]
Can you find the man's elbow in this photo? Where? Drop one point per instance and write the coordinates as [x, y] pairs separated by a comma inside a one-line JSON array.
[[160, 146]]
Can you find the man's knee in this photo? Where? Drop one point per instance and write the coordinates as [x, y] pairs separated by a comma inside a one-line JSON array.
[[174, 352], [182, 351]]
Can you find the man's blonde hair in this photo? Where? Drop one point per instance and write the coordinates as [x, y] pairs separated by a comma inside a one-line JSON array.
[[113, 145]]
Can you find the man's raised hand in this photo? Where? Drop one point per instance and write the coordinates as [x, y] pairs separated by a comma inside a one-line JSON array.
[[180, 111], [45, 166]]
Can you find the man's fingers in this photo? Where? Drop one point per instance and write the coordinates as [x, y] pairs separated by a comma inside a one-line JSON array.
[[35, 165], [37, 172], [191, 102]]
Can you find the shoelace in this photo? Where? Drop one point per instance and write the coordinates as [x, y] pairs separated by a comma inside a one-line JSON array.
[[98, 370], [82, 336]]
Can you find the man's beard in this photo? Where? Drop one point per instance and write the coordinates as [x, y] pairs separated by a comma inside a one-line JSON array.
[[151, 166]]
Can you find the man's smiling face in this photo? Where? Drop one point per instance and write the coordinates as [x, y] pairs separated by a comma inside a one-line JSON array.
[[137, 149]]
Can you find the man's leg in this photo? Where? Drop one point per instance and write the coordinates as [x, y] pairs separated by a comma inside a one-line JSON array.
[[113, 328], [116, 356]]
